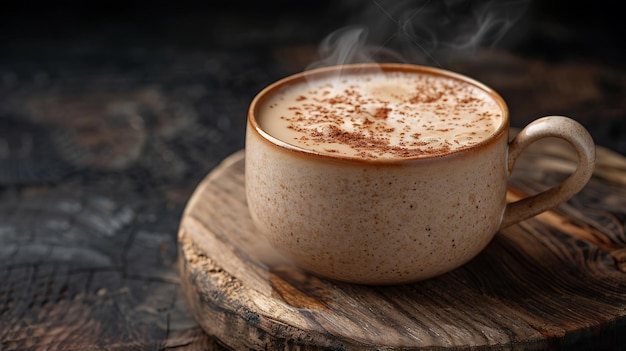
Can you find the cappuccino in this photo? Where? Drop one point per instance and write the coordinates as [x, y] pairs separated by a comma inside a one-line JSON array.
[[380, 114], [391, 173]]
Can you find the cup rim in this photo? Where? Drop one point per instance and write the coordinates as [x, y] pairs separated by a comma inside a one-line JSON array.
[[268, 91]]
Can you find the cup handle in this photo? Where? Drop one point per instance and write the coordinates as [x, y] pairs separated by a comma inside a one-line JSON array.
[[551, 126]]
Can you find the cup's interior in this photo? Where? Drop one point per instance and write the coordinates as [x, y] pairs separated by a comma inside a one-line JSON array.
[[396, 93]]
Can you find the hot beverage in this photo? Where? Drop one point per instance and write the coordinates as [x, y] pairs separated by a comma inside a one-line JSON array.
[[381, 115], [387, 174]]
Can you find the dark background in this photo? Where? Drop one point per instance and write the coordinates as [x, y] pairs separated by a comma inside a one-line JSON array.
[[553, 29]]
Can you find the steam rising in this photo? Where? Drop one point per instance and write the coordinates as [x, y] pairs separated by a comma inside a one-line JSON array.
[[349, 45], [421, 31]]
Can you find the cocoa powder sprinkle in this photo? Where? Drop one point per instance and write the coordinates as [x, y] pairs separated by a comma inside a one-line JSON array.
[[382, 112], [430, 117]]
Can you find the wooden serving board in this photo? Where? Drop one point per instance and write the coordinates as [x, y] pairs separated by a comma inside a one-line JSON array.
[[556, 281]]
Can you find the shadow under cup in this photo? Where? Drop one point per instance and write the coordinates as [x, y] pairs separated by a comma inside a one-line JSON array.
[[385, 220]]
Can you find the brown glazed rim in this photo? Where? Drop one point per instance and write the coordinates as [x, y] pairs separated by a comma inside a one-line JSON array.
[[297, 78]]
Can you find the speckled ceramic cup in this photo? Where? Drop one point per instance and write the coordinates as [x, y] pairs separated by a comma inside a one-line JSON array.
[[394, 220]]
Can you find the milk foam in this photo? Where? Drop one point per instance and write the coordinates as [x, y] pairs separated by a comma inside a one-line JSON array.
[[381, 115]]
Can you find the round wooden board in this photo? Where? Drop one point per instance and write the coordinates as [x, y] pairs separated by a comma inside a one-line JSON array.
[[556, 281]]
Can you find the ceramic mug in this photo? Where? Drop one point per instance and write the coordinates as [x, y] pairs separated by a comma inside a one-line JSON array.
[[393, 220]]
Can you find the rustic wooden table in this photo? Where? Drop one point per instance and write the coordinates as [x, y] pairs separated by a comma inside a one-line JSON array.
[[107, 129]]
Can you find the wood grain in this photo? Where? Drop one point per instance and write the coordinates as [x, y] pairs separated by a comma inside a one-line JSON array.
[[555, 281]]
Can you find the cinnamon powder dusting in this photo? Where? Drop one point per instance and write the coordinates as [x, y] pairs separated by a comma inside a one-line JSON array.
[[390, 115]]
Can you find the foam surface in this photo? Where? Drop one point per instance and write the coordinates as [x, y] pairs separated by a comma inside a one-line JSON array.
[[381, 115]]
